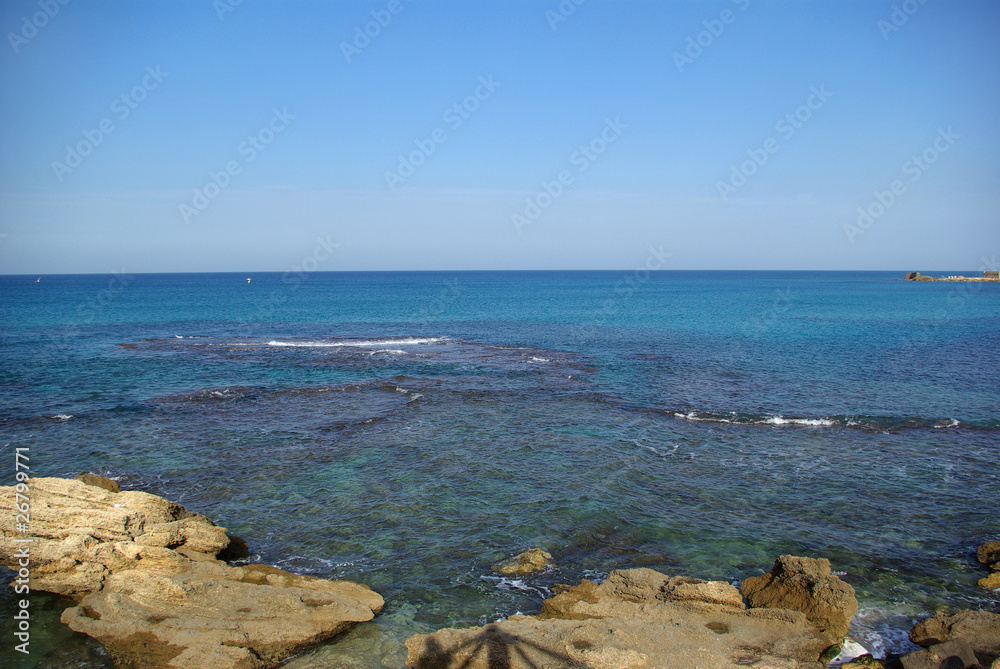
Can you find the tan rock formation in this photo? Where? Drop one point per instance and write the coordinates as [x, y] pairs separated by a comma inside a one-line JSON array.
[[991, 582], [989, 554], [806, 585], [214, 615], [947, 655], [637, 618], [980, 629], [150, 588], [527, 562]]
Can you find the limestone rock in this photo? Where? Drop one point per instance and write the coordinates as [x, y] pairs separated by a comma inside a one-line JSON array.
[[948, 655], [980, 629], [636, 618], [989, 554], [806, 585], [991, 582], [527, 562], [83, 533], [99, 481], [680, 589], [590, 600], [213, 615], [149, 586], [866, 661]]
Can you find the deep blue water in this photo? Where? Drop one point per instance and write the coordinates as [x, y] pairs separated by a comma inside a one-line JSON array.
[[407, 430]]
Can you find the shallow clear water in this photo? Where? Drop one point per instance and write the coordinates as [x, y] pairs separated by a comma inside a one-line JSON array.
[[407, 430]]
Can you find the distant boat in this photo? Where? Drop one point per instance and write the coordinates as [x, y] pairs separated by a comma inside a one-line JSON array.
[[38, 279], [248, 279]]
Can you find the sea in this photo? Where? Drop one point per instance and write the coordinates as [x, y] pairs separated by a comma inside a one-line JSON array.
[[408, 430]]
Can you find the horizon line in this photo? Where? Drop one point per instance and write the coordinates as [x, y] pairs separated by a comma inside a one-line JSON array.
[[438, 271]]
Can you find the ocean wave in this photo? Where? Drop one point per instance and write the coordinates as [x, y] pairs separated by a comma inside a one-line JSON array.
[[869, 423], [509, 584], [408, 341]]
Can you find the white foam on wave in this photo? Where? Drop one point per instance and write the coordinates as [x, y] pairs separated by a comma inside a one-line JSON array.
[[363, 343], [808, 422], [769, 420], [503, 583], [886, 630], [62, 416], [943, 425], [691, 415], [535, 358]]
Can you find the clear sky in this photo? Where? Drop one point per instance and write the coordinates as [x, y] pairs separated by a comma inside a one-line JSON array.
[[732, 134]]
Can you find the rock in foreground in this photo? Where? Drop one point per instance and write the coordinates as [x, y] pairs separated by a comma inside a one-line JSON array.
[[980, 629], [151, 589], [948, 655], [806, 585], [637, 618]]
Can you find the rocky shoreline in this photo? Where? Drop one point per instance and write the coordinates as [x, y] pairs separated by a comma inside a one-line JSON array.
[[917, 276], [156, 585], [152, 585]]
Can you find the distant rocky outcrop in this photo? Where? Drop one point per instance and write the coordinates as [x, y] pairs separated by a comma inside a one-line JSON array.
[[988, 276], [807, 585], [149, 585], [636, 618], [527, 562]]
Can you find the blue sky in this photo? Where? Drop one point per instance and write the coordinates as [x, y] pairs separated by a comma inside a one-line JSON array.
[[650, 131]]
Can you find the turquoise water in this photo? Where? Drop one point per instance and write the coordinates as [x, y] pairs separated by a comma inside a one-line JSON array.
[[407, 430]]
